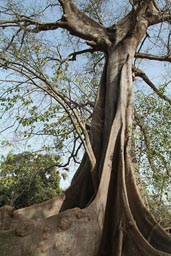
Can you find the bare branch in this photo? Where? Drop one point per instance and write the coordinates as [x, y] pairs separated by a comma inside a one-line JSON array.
[[161, 17], [140, 73], [73, 19], [73, 55], [81, 25], [73, 155], [153, 57]]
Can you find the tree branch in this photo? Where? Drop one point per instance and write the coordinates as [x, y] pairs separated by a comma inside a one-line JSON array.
[[140, 73], [73, 155], [62, 100], [161, 17], [73, 19], [79, 24], [152, 57], [72, 56], [146, 136]]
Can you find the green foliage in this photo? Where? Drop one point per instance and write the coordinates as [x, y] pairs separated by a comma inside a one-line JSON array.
[[153, 139], [28, 111], [160, 211], [28, 178]]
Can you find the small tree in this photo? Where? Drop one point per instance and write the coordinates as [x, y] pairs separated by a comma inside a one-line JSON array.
[[28, 178]]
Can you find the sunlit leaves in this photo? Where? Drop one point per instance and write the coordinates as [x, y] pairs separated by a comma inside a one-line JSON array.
[[34, 113]]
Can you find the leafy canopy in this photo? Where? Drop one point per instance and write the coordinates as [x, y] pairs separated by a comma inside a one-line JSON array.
[[27, 178]]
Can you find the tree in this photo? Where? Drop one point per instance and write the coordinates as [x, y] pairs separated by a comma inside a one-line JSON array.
[[102, 207], [27, 178]]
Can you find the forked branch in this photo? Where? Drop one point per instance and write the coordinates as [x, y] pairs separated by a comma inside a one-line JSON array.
[[79, 24], [73, 19]]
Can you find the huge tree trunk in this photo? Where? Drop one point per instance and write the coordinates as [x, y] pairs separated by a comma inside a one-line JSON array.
[[102, 213]]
